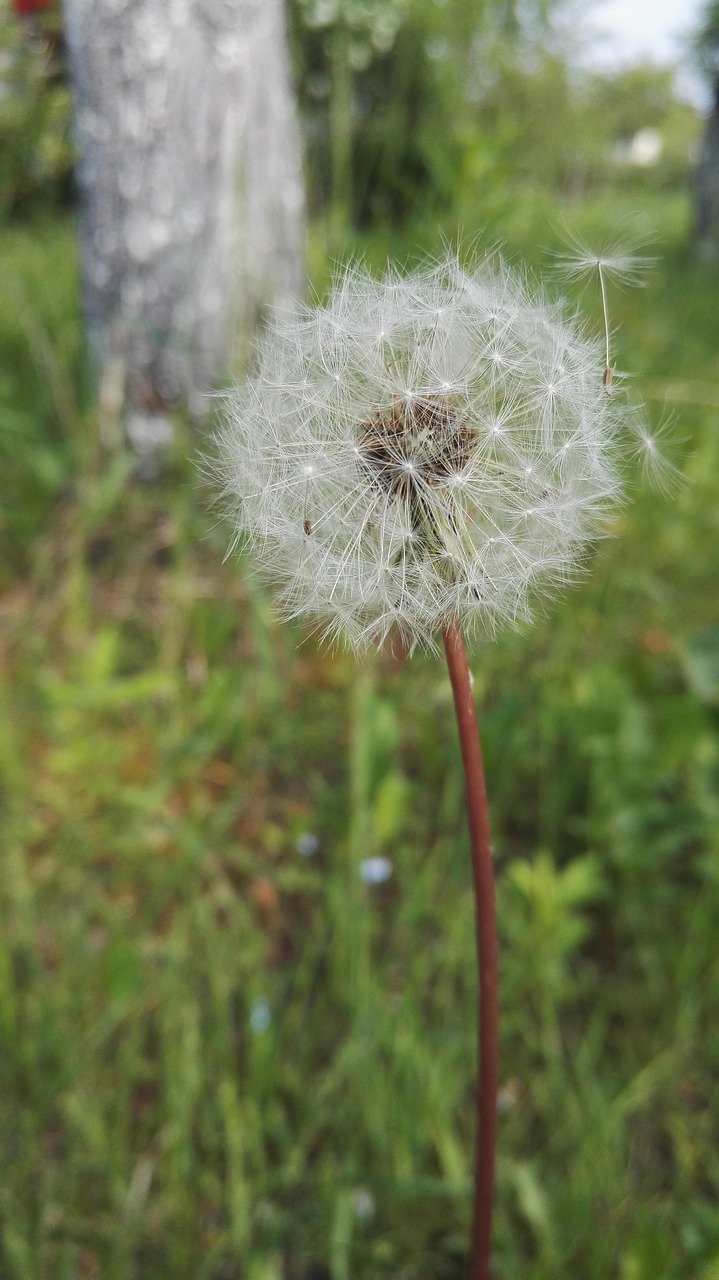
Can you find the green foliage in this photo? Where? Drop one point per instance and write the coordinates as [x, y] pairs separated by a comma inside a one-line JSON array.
[[706, 41], [35, 151], [386, 90], [465, 109], [636, 99], [41, 433], [419, 109]]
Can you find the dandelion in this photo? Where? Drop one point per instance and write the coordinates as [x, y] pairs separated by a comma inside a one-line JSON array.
[[427, 454], [421, 450]]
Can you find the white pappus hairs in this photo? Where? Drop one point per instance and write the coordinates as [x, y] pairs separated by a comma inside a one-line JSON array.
[[422, 449]]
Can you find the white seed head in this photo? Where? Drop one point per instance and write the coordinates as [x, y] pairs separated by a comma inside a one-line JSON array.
[[420, 450]]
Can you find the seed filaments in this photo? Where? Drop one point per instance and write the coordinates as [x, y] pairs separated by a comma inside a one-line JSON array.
[[447, 482], [416, 442]]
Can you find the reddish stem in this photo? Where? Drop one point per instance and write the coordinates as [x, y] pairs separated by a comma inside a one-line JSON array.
[[483, 874]]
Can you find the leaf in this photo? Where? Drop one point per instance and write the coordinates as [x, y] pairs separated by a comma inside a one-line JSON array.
[[122, 972], [532, 1200], [700, 659], [390, 805]]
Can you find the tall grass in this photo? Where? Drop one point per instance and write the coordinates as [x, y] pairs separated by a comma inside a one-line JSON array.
[[226, 1056]]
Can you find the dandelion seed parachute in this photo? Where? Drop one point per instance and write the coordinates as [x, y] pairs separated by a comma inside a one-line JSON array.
[[421, 450], [619, 260]]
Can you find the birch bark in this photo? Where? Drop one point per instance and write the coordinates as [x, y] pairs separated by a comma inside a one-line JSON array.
[[191, 188]]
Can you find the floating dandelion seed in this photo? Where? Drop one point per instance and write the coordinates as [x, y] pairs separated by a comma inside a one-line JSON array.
[[620, 263], [653, 448], [426, 453], [422, 449]]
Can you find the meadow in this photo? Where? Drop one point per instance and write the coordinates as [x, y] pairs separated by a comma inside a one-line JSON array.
[[226, 1055]]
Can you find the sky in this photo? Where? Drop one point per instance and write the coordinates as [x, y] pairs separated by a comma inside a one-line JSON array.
[[635, 30]]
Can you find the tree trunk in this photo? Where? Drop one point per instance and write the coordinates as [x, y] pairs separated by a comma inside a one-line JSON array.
[[706, 230], [191, 189]]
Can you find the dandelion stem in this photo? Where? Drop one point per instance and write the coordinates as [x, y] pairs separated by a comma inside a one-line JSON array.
[[483, 875]]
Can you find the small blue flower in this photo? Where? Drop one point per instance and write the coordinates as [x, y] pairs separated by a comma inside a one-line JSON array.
[[364, 1204], [260, 1015], [375, 870]]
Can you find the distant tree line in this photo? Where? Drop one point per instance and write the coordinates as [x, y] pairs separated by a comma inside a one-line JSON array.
[[425, 106]]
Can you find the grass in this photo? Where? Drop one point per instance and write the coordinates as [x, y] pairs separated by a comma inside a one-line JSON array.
[[224, 1058]]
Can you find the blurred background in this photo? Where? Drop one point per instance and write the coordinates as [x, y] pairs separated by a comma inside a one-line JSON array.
[[237, 981]]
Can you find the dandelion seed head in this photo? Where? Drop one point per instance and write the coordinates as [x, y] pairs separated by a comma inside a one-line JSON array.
[[421, 450], [260, 1016]]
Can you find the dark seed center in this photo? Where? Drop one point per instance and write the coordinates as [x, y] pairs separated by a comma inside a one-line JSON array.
[[414, 443]]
